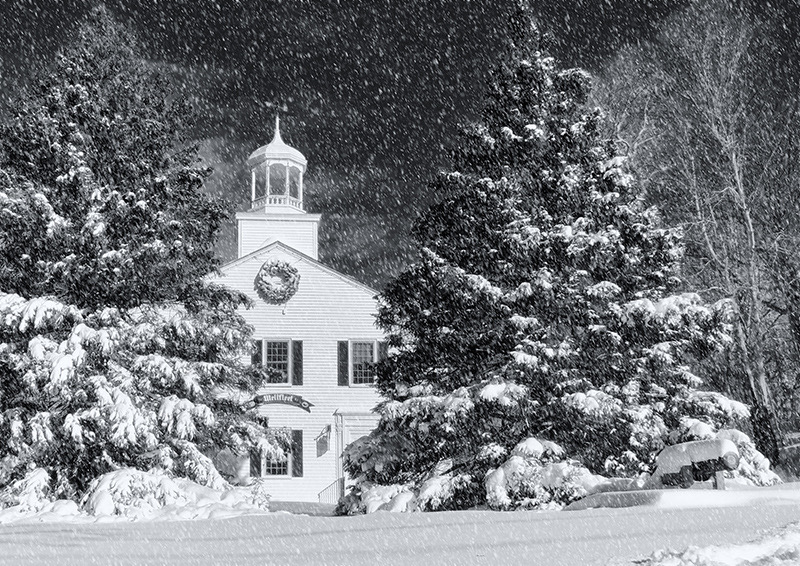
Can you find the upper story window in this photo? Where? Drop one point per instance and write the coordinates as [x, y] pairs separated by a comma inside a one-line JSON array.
[[277, 358], [357, 359], [363, 362], [283, 359]]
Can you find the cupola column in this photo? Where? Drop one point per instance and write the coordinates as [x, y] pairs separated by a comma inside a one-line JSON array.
[[300, 188]]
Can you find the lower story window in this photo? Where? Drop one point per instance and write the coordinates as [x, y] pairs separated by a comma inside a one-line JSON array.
[[277, 467], [292, 466]]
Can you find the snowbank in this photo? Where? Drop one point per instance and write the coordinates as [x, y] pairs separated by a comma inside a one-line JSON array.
[[779, 547], [130, 494]]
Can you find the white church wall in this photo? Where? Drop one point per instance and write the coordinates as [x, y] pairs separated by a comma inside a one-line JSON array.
[[326, 309]]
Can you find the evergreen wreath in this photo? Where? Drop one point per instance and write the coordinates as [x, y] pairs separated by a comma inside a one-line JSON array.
[[272, 292]]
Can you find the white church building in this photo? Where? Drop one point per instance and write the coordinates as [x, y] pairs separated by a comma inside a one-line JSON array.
[[314, 327]]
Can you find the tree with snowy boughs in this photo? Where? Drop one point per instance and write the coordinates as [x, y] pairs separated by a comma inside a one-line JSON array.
[[543, 317], [114, 351]]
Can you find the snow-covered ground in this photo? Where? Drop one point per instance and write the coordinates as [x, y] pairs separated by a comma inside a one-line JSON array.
[[591, 537], [780, 547]]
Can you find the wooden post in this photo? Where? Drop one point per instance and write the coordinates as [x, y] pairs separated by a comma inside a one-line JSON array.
[[719, 480]]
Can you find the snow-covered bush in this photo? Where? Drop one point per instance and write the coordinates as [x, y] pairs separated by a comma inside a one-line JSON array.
[[535, 477], [130, 494], [31, 493]]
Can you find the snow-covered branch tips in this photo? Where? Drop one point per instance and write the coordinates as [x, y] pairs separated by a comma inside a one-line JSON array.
[[282, 399], [277, 282]]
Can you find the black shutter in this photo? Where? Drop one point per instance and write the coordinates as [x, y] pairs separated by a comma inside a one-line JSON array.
[[383, 350], [297, 362], [257, 358], [255, 464], [344, 378], [297, 453]]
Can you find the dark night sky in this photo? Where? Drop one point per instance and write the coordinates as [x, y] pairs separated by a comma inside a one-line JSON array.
[[374, 89]]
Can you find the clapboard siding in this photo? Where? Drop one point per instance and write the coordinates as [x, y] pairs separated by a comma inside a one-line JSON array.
[[299, 233], [327, 307]]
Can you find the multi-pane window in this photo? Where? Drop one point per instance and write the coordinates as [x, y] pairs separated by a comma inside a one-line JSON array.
[[276, 467], [357, 359], [363, 360], [277, 358], [283, 359], [292, 466]]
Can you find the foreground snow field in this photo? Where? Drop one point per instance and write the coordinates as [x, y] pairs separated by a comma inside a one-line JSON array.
[[590, 537]]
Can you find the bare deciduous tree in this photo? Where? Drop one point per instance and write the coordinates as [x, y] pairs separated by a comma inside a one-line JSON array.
[[711, 139]]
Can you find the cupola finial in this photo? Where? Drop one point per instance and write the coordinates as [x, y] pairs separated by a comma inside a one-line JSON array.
[[277, 127]]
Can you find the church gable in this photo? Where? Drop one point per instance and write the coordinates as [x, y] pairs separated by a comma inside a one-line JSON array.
[[324, 280]]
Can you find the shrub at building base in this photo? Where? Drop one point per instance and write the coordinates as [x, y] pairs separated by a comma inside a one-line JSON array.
[[537, 476]]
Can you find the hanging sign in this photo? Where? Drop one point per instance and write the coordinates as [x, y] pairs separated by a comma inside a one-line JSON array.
[[283, 399]]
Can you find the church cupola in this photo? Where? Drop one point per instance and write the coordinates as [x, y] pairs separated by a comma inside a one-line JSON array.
[[277, 176], [276, 212]]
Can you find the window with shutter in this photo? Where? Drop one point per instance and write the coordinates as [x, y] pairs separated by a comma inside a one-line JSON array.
[[273, 467], [357, 359], [291, 466], [255, 464], [257, 357], [363, 364], [297, 362], [284, 360], [277, 360], [344, 363], [297, 454]]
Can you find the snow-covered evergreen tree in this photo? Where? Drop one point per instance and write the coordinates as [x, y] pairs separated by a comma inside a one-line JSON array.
[[114, 351], [102, 137], [544, 303]]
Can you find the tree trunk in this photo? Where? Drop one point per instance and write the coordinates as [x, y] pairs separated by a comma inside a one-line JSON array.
[[765, 431]]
